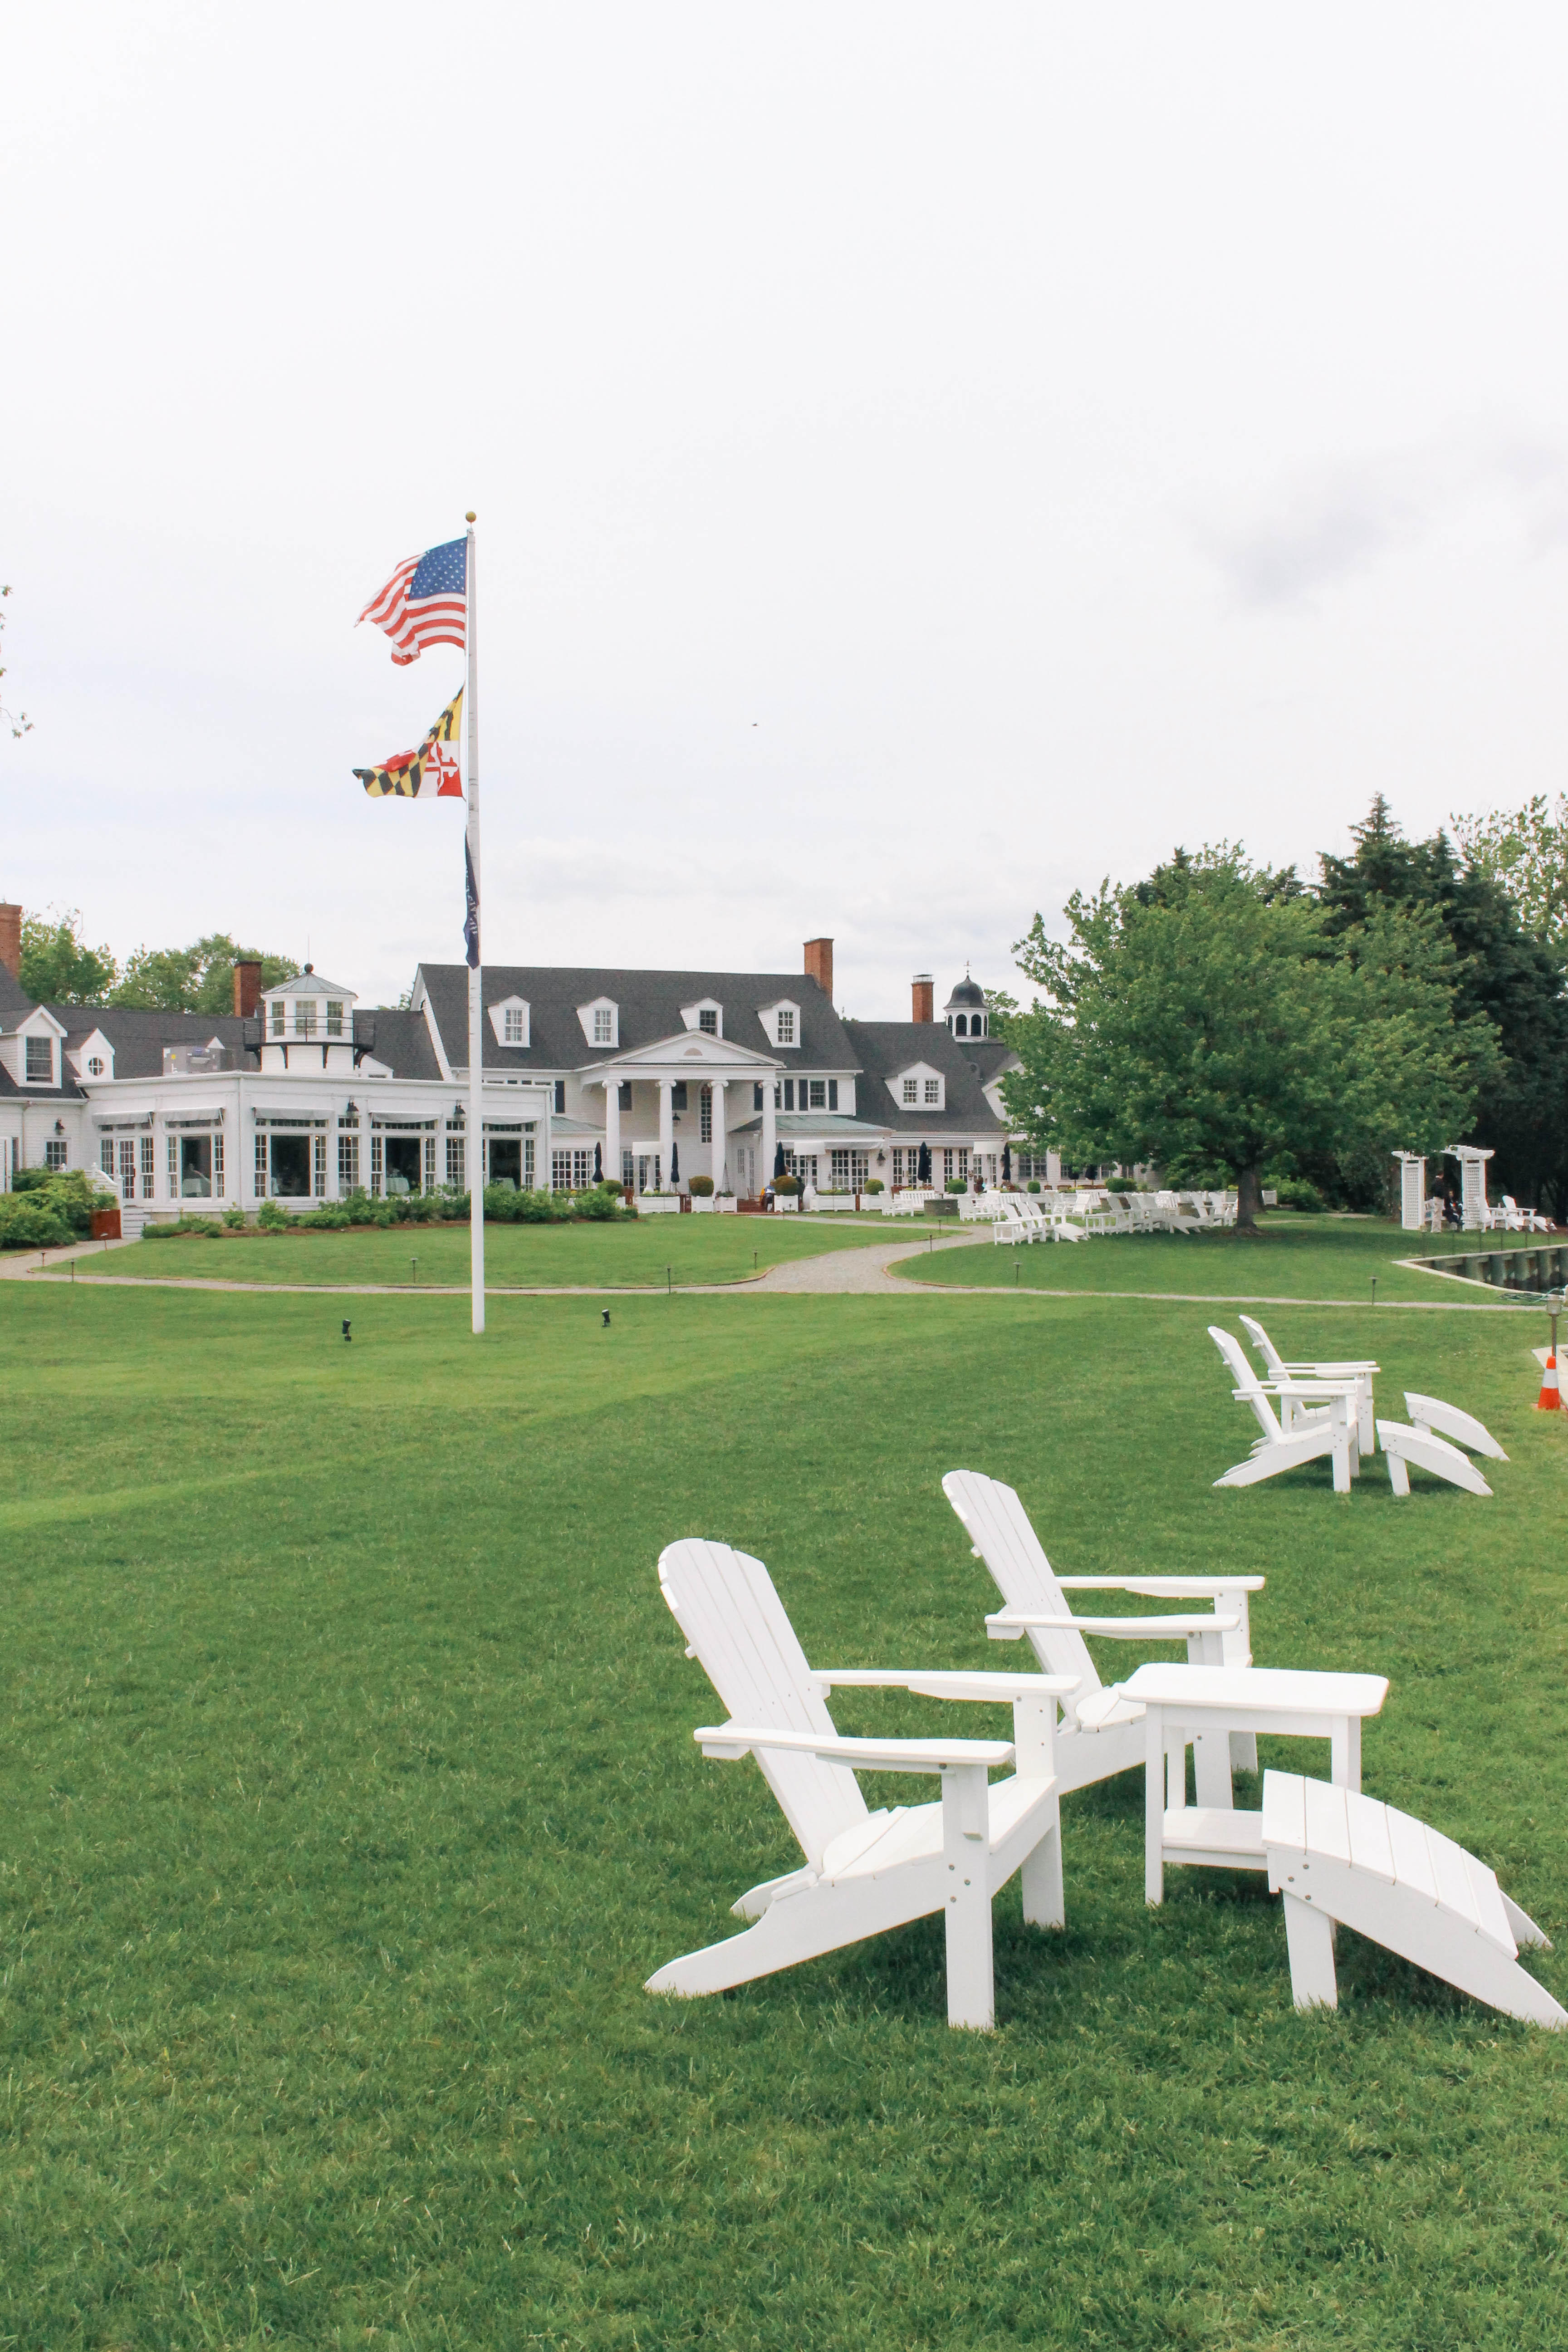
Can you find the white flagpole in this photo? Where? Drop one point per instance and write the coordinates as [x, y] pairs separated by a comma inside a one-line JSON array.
[[476, 1154]]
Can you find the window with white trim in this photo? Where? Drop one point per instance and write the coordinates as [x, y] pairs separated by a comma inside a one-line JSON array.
[[705, 1115], [57, 1152], [147, 1166], [456, 1163], [911, 1091], [511, 1023], [95, 1066], [106, 1156], [708, 1021], [348, 1162], [571, 1171], [604, 1025], [933, 1093], [40, 1063], [786, 1026], [334, 1016], [261, 1163], [319, 1167], [279, 1013]]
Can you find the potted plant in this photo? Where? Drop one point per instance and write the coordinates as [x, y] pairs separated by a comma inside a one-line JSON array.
[[701, 1191]]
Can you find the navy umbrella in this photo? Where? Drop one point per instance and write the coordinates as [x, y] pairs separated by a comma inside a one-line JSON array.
[[923, 1168], [674, 1166], [598, 1165], [779, 1167], [1006, 1164]]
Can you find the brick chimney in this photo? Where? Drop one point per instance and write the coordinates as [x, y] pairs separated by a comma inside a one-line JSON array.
[[819, 965], [11, 938], [924, 992], [246, 988]]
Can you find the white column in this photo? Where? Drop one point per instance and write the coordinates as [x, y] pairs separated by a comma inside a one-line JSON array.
[[613, 1130], [770, 1135], [665, 1129], [719, 1138]]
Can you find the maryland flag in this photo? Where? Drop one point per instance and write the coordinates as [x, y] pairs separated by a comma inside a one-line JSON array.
[[430, 773]]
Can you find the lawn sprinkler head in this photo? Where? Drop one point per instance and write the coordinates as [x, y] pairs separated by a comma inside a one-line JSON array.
[[604, 1314], [348, 1335]]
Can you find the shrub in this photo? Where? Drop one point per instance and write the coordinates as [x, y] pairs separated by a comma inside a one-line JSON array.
[[66, 1193], [958, 1183], [162, 1230], [699, 1187], [1119, 1184], [235, 1220], [786, 1186], [601, 1206], [332, 1217], [28, 1221], [1295, 1193], [872, 1184], [271, 1218], [1034, 1184]]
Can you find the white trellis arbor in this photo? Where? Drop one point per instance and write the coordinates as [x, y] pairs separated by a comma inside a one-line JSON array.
[[1412, 1191], [1472, 1163]]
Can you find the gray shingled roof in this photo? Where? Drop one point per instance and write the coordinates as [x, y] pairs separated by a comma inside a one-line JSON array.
[[649, 1007], [886, 1047]]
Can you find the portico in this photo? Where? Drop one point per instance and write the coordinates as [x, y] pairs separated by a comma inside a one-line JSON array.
[[685, 1082]]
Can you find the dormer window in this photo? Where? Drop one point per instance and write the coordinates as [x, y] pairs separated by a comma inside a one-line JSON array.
[[41, 1061], [304, 1017], [708, 1020], [911, 1092], [510, 1021], [786, 1027], [600, 1022], [95, 1066], [933, 1093]]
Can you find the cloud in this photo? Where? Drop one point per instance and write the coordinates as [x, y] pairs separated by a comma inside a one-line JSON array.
[[1335, 523], [1325, 531]]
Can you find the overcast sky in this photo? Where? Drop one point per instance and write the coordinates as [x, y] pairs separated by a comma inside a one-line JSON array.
[[926, 459]]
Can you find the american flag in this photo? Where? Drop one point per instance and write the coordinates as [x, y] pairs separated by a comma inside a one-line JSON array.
[[424, 602]]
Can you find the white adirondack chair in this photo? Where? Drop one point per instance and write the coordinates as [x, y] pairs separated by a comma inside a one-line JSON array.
[[1101, 1733], [864, 1872], [1173, 1217], [1318, 1432], [1338, 1856], [1516, 1220], [1358, 1368]]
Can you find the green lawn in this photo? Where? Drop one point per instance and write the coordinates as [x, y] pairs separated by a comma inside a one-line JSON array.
[[350, 1795], [631, 1256], [1290, 1257]]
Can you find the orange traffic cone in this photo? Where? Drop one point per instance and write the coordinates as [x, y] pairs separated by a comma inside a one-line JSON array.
[[1551, 1397]]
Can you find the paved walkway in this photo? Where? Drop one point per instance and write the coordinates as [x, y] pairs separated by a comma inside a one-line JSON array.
[[869, 1269]]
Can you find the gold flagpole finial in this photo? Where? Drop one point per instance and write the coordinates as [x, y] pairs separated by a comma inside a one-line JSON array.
[[471, 515]]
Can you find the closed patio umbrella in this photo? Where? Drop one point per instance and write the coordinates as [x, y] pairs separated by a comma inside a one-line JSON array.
[[598, 1164], [674, 1166], [923, 1168], [779, 1167], [1006, 1164]]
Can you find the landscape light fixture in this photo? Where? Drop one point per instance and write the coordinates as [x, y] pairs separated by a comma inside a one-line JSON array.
[[347, 1333], [606, 1312]]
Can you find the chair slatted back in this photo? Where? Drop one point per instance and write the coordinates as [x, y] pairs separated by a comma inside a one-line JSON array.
[[1000, 1530], [1247, 1380], [1264, 1347], [725, 1604]]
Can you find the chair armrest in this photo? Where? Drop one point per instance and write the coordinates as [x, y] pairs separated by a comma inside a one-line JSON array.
[[1177, 1588], [1331, 1368], [1308, 1389], [730, 1740], [1116, 1629], [980, 1684]]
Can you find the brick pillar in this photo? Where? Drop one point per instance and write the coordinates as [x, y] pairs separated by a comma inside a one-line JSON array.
[[246, 988], [11, 938], [819, 965], [924, 995]]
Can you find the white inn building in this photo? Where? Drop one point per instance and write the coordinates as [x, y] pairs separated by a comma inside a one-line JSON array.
[[301, 1095]]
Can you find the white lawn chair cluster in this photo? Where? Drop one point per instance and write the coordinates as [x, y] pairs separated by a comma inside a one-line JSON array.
[[1332, 1853], [907, 1200], [1507, 1217], [1080, 1212], [1325, 1407]]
